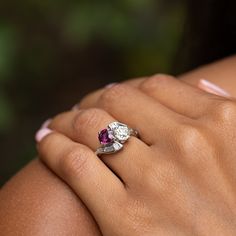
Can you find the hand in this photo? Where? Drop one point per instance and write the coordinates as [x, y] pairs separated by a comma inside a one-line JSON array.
[[178, 179]]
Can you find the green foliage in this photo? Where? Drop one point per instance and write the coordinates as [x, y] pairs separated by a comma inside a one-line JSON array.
[[6, 113], [7, 50], [49, 48]]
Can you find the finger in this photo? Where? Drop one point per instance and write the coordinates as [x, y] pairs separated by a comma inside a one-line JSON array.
[[91, 99], [177, 95], [83, 127], [88, 176], [131, 106]]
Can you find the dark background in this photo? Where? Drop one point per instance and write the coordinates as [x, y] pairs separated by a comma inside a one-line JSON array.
[[54, 52]]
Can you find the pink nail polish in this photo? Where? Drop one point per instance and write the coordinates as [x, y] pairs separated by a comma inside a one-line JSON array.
[[41, 134], [46, 123], [212, 88], [110, 85], [75, 107]]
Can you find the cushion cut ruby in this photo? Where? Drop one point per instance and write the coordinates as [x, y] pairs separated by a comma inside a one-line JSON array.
[[104, 137]]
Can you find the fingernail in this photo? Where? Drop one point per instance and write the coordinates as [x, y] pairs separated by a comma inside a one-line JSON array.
[[110, 85], [42, 133], [46, 123], [75, 107], [212, 88]]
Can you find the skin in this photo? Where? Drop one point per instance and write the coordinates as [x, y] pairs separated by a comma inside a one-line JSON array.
[[178, 180], [72, 218]]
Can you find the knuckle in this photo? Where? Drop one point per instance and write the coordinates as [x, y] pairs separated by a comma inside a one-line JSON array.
[[195, 145], [187, 132], [74, 163], [153, 82], [113, 94], [189, 137], [88, 118], [225, 111]]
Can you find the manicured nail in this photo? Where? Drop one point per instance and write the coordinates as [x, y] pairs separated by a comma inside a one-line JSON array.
[[75, 107], [42, 133], [46, 123], [110, 85], [212, 88]]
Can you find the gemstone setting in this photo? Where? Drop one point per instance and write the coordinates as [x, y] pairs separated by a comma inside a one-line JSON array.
[[113, 137]]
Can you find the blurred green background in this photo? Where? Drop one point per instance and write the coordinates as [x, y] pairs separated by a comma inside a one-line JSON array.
[[54, 52]]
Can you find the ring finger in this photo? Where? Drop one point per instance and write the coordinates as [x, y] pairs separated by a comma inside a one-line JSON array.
[[83, 126]]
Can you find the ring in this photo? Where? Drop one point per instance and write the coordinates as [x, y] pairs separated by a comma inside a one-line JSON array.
[[113, 137]]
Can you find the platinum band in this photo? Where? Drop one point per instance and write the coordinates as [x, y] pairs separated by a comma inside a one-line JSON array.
[[113, 138]]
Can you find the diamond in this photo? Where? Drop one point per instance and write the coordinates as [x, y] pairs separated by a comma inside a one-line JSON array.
[[112, 147], [117, 146], [120, 131]]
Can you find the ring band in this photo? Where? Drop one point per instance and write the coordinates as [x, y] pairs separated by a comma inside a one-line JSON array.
[[113, 137]]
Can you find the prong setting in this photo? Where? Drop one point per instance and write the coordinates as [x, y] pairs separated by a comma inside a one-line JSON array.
[[113, 137]]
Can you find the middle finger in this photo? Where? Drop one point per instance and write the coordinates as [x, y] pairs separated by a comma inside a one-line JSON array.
[[129, 105]]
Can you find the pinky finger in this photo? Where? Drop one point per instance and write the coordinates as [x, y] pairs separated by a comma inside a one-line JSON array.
[[83, 171]]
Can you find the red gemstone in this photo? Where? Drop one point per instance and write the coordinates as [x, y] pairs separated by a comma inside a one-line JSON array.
[[104, 137]]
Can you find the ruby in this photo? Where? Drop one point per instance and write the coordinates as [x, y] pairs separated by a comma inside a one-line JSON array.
[[104, 137]]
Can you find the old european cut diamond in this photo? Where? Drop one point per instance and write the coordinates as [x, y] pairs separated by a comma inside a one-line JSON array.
[[120, 131]]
